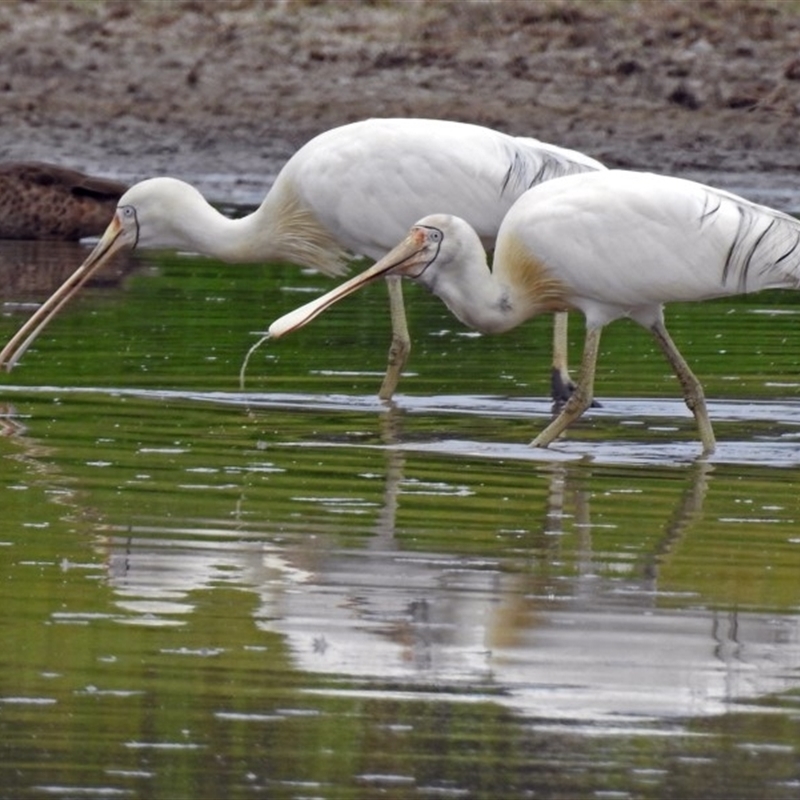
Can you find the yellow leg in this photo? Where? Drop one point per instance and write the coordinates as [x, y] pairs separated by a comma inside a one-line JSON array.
[[581, 397], [401, 341], [692, 389], [561, 385]]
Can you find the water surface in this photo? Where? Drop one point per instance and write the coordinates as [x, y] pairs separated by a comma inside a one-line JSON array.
[[294, 590]]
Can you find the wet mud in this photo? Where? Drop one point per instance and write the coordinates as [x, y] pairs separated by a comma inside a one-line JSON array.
[[223, 93]]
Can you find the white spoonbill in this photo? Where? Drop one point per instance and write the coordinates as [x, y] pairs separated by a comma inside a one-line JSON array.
[[354, 189], [609, 244]]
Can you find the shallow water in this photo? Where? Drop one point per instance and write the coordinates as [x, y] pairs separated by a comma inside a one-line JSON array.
[[293, 590]]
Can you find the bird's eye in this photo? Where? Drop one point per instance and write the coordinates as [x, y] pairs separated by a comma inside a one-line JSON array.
[[435, 236], [128, 212]]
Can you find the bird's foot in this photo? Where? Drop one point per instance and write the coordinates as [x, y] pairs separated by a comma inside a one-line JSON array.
[[539, 441], [562, 387]]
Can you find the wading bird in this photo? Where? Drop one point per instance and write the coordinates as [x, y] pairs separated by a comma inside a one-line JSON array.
[[609, 244], [354, 189], [46, 201]]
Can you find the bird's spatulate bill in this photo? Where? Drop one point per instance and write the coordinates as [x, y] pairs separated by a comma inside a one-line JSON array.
[[18, 344], [392, 263], [300, 317], [304, 314]]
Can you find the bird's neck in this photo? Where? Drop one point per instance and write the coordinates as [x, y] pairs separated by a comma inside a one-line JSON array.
[[280, 229], [494, 301]]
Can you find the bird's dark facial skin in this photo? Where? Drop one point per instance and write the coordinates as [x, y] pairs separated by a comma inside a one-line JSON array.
[[129, 220], [428, 239]]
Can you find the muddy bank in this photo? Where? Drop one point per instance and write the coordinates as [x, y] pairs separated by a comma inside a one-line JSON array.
[[224, 92]]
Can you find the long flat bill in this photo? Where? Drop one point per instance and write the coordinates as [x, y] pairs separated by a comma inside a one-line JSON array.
[[26, 335], [402, 256]]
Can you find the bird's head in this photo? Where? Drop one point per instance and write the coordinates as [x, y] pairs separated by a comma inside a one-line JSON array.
[[154, 212], [144, 217], [430, 247], [139, 219]]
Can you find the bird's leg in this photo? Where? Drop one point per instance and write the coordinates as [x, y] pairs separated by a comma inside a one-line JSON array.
[[401, 341], [561, 385], [581, 397], [692, 390]]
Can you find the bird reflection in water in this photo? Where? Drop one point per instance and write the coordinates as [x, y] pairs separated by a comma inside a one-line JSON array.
[[569, 633]]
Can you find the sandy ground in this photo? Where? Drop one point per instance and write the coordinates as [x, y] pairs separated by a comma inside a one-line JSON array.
[[223, 92]]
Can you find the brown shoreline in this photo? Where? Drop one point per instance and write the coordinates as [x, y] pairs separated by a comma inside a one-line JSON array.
[[223, 92]]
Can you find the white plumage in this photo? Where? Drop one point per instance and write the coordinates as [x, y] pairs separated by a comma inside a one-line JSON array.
[[351, 190], [609, 244]]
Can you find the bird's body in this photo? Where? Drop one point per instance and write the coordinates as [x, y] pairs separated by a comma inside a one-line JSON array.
[[624, 244], [369, 207], [47, 201], [355, 189], [609, 244]]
